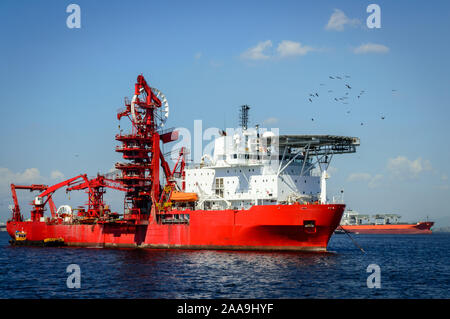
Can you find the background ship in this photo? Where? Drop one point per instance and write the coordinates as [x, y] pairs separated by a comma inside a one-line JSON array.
[[354, 222], [256, 191]]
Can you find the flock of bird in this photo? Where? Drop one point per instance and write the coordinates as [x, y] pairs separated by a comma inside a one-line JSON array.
[[341, 97]]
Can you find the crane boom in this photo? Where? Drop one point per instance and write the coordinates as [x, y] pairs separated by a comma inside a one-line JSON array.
[[34, 187], [50, 190], [96, 190]]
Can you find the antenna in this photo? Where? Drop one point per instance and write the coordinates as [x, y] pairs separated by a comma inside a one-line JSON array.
[[243, 116]]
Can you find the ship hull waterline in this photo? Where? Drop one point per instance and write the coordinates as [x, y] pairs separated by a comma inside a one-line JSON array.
[[262, 227]]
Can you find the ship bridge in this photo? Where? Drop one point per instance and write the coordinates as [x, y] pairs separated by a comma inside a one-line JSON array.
[[256, 166]]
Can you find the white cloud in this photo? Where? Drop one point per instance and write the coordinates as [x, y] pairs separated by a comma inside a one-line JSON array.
[[271, 121], [285, 48], [30, 175], [56, 175], [371, 48], [338, 20], [357, 177], [373, 181], [402, 167], [288, 48], [258, 52]]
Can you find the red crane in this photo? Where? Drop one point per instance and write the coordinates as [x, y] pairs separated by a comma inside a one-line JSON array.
[[96, 190], [38, 211], [140, 175], [34, 187], [178, 171], [150, 100]]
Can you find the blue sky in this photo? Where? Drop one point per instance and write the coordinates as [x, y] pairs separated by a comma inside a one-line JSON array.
[[60, 88]]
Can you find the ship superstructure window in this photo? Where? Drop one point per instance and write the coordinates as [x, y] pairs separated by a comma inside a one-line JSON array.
[[219, 187]]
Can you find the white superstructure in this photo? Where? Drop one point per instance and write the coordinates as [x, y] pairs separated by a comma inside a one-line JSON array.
[[256, 167]]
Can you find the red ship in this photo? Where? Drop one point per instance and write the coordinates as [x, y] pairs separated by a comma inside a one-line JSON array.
[[383, 224], [259, 191]]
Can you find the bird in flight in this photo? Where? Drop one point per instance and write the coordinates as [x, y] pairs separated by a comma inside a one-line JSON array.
[[331, 77], [310, 100], [348, 86]]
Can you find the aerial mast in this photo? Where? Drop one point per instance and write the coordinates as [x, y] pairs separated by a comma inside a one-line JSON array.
[[243, 117]]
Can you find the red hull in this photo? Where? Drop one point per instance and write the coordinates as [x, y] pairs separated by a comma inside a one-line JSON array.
[[419, 228], [271, 227]]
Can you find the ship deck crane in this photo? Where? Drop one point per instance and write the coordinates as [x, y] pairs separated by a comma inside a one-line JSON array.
[[38, 210], [171, 185], [96, 191], [34, 187], [147, 112]]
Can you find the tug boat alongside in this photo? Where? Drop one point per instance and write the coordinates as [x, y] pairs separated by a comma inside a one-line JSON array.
[[257, 191]]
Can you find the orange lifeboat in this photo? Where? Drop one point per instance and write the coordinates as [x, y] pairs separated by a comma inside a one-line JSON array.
[[178, 196]]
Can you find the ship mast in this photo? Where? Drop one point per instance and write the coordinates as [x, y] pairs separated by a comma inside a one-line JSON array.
[[243, 117]]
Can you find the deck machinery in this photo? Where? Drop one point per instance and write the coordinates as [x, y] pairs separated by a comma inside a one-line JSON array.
[[140, 175]]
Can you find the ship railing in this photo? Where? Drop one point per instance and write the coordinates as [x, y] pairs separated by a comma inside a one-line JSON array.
[[339, 199]]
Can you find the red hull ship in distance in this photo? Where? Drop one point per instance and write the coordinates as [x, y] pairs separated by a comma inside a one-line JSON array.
[[256, 192], [354, 222]]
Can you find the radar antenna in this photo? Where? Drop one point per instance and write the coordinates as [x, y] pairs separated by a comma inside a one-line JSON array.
[[243, 116]]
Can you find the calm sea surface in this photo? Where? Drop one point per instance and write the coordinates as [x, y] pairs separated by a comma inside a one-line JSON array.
[[412, 266]]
